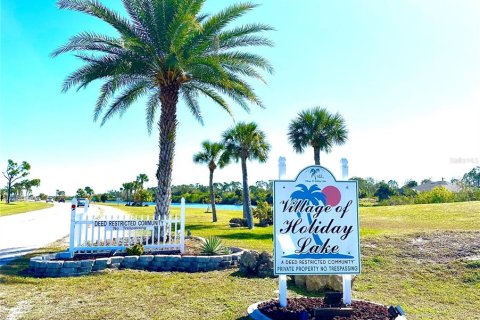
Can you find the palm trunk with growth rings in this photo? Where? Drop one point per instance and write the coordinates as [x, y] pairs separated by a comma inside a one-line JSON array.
[[167, 127], [316, 154], [212, 198], [247, 213]]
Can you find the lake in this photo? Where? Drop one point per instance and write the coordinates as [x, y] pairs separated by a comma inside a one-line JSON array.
[[194, 205]]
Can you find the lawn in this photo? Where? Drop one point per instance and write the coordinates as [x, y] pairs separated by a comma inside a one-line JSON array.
[[419, 256], [21, 207]]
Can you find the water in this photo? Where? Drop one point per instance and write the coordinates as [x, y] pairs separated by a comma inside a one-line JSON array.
[[193, 205]]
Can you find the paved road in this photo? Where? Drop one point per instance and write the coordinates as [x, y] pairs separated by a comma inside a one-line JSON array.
[[22, 233]]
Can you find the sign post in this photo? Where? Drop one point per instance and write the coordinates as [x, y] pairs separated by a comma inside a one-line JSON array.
[[72, 227], [316, 228]]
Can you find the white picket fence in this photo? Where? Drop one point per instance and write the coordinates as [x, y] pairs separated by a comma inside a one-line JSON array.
[[90, 234]]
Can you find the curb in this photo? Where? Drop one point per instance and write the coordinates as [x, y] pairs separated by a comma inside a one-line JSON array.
[[254, 313]]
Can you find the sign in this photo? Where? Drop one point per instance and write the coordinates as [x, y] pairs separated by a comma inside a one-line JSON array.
[[316, 229], [113, 225]]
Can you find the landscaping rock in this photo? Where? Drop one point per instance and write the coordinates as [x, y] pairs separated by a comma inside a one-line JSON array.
[[248, 262], [321, 283], [253, 263], [43, 266]]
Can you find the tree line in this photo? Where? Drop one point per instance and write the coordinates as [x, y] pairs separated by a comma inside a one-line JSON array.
[[390, 193]]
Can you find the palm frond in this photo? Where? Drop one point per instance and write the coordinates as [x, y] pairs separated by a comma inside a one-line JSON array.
[[190, 97], [212, 94], [96, 9], [90, 41], [152, 105], [121, 103]]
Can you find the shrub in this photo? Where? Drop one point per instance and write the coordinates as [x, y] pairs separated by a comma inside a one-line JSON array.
[[213, 247], [263, 212], [397, 200], [436, 195], [468, 194], [143, 195], [241, 222], [135, 250]]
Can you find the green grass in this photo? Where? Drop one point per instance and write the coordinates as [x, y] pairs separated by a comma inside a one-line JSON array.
[[21, 207], [200, 224], [430, 281]]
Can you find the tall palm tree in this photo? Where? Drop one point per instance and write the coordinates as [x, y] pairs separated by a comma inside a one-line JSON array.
[[141, 179], [319, 129], [166, 50], [211, 155], [245, 142], [128, 188]]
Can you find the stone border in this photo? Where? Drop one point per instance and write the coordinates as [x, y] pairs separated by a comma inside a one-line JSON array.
[[46, 266]]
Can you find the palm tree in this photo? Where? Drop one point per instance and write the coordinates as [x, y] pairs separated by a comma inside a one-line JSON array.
[[245, 142], [313, 195], [128, 188], [317, 128], [210, 155], [141, 179], [166, 50]]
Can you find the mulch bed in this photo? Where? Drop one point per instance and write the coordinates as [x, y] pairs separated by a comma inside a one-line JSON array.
[[303, 309]]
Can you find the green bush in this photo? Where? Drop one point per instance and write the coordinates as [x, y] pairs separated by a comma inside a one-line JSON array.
[[213, 247], [143, 195], [240, 221], [135, 250], [263, 212], [468, 194], [397, 200], [436, 195]]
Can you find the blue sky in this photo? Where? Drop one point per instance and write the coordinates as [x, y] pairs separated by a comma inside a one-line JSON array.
[[404, 74]]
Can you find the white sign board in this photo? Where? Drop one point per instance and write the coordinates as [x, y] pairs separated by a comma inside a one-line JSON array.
[[113, 225], [316, 227]]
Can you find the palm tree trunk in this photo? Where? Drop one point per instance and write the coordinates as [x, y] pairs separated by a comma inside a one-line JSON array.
[[247, 213], [167, 127], [9, 191], [212, 198], [316, 154]]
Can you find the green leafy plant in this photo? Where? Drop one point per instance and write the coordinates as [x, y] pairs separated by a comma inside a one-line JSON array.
[[135, 250], [213, 247], [263, 212]]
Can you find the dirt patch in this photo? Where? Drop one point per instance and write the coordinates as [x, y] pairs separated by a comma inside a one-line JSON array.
[[437, 247], [21, 308]]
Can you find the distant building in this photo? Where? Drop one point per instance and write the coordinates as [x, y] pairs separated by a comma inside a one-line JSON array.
[[454, 187]]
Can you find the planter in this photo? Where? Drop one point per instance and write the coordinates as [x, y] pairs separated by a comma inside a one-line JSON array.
[[50, 266], [360, 308]]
